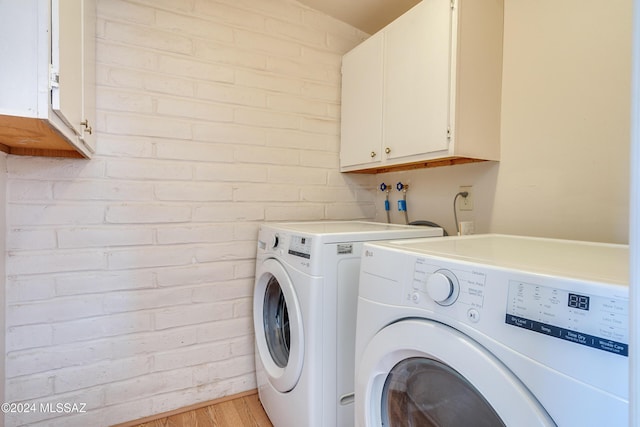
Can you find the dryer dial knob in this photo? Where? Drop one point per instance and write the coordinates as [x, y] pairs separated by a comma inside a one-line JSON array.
[[275, 240], [442, 287]]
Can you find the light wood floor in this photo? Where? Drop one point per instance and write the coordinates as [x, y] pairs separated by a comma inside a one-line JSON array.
[[243, 411]]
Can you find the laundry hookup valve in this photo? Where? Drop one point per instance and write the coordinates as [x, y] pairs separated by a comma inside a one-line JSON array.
[[402, 204], [384, 187]]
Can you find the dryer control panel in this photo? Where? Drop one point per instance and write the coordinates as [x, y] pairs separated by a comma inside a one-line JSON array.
[[452, 291], [590, 320]]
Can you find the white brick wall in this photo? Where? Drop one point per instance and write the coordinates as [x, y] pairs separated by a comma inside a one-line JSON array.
[[130, 275]]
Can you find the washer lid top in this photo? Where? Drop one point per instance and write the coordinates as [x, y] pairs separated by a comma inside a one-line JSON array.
[[330, 231], [565, 258]]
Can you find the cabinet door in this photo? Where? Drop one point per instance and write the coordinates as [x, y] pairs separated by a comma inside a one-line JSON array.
[[66, 60], [88, 135], [417, 80], [361, 126], [73, 59]]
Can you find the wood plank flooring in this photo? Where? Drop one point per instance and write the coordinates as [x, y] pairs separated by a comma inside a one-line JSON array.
[[243, 411]]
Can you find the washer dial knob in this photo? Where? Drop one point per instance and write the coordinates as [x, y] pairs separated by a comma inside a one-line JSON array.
[[275, 240], [442, 287]]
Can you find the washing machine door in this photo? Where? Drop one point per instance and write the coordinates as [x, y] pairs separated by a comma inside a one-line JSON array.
[[278, 326], [423, 373]]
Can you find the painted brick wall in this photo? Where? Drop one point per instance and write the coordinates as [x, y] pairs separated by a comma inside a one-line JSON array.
[[129, 276]]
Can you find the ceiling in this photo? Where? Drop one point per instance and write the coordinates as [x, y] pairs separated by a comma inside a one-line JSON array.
[[366, 15]]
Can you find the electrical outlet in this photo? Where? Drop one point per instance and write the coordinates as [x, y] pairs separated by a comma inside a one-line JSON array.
[[466, 203], [466, 227]]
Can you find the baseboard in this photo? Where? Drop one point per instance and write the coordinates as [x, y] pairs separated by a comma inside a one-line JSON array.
[[185, 409]]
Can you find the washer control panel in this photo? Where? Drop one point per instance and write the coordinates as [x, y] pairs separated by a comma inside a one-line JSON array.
[[590, 320], [285, 244], [300, 246]]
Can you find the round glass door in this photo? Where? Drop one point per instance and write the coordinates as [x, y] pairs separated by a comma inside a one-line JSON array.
[[427, 393], [277, 321], [418, 372]]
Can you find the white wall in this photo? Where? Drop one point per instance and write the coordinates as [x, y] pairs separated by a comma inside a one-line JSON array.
[[130, 275], [565, 130]]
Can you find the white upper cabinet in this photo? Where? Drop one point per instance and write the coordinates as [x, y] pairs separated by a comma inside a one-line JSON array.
[[416, 81], [47, 78], [425, 90], [362, 94]]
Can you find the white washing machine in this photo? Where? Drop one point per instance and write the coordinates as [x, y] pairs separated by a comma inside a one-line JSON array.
[[492, 330], [305, 314]]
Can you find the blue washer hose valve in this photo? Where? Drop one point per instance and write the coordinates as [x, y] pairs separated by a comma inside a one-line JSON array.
[[402, 204], [385, 187]]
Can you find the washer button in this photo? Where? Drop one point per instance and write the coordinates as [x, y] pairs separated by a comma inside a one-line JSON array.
[[473, 315], [415, 297]]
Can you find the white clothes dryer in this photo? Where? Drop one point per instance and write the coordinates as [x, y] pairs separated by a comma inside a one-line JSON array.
[[305, 314], [492, 330]]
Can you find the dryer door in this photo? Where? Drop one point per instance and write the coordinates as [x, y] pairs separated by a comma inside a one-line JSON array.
[[278, 326], [423, 373]]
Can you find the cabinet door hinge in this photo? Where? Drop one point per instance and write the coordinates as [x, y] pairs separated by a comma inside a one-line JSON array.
[[453, 4], [449, 133], [54, 77]]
